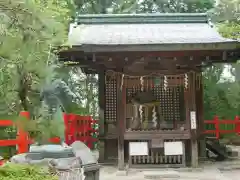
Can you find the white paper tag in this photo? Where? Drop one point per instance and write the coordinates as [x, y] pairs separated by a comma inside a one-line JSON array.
[[193, 120]]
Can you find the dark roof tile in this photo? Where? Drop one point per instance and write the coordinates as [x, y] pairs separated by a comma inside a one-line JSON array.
[[144, 29], [132, 34]]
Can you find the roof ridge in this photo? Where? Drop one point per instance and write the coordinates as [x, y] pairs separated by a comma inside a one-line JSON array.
[[157, 18]]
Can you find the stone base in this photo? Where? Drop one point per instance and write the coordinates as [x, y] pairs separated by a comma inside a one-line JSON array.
[[233, 153], [121, 173], [101, 151]]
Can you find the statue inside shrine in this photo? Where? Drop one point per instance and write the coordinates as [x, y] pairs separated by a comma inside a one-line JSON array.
[[147, 111]]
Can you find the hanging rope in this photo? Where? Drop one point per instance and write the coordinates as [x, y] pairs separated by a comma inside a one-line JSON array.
[[154, 116], [148, 75], [186, 81], [122, 81], [141, 82], [165, 85], [141, 107]]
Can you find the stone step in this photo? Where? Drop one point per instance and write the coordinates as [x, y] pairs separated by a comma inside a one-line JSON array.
[[233, 153], [161, 175]]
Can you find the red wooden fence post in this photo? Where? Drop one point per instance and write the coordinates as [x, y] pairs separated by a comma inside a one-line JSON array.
[[217, 130], [23, 140], [89, 132], [70, 126], [66, 128], [237, 125]]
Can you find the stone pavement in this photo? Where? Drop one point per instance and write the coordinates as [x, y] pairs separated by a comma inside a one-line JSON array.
[[226, 170], [208, 171]]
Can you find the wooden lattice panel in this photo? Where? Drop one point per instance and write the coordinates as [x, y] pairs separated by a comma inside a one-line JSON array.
[[177, 101], [111, 100], [170, 103], [170, 98], [158, 158]]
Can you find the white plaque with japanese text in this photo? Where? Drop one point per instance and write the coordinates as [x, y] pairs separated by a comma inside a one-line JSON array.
[[138, 148], [193, 120], [173, 148]]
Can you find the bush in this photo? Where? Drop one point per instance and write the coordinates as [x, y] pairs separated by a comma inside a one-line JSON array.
[[12, 171]]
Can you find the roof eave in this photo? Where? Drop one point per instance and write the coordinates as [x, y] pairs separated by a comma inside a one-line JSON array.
[[91, 48]]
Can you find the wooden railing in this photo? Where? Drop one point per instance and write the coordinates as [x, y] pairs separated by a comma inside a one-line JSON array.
[[233, 126], [76, 128]]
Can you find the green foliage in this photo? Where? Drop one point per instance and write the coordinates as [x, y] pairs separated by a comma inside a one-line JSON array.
[[144, 6], [230, 30], [222, 95], [29, 31], [31, 79], [226, 10], [24, 172], [176, 6]]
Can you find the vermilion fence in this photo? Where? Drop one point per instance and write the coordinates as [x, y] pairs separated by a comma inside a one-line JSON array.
[[76, 128], [223, 126], [80, 128]]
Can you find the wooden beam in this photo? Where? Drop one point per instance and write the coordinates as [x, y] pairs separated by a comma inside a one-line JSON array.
[[166, 54], [149, 135], [195, 55], [120, 121]]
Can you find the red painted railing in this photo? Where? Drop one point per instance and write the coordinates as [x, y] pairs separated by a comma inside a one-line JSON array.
[[217, 124], [76, 128], [79, 128], [22, 140]]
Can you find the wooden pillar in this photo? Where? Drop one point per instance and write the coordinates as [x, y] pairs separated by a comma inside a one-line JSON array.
[[121, 117], [101, 102], [192, 108], [194, 153], [187, 119], [200, 98]]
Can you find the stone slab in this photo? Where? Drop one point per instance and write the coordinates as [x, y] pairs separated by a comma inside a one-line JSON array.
[[161, 174]]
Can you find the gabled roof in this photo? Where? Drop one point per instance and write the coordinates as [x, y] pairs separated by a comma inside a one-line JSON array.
[[147, 32]]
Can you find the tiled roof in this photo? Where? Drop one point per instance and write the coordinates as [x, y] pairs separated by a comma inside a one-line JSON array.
[[132, 34], [107, 30]]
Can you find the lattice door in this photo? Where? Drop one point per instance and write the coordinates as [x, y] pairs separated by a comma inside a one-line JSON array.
[[111, 100], [170, 104]]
